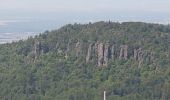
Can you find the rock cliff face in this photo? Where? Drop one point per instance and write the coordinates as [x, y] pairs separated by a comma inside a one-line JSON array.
[[67, 50], [106, 54], [37, 48], [78, 48], [34, 54], [89, 52], [123, 52], [37, 51], [112, 52], [135, 54], [140, 55], [101, 52]]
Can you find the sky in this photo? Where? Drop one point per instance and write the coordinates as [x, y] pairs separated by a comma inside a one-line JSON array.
[[86, 10], [85, 5], [34, 16]]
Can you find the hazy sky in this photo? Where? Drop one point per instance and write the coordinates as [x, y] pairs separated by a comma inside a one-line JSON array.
[[86, 10], [34, 16], [86, 5]]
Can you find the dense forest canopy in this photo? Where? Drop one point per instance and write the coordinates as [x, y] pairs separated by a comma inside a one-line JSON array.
[[129, 60]]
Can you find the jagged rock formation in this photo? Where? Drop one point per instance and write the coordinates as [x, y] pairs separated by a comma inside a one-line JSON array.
[[152, 56], [135, 54], [37, 50], [67, 50], [141, 55], [89, 51], [138, 56], [78, 48], [112, 52], [100, 54], [123, 52], [106, 54]]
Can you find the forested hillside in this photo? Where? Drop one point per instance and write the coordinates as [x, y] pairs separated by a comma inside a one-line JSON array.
[[130, 60]]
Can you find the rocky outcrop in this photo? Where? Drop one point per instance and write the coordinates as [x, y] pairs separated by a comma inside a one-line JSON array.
[[139, 56], [96, 49], [123, 52], [89, 51], [152, 57], [100, 55], [67, 51], [35, 53], [135, 54], [106, 54], [78, 48], [98, 52], [142, 56], [37, 48], [112, 52]]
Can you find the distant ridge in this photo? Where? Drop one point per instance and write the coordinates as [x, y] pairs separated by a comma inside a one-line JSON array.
[[129, 60]]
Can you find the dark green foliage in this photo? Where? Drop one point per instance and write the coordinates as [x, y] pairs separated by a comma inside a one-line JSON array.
[[30, 73]]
